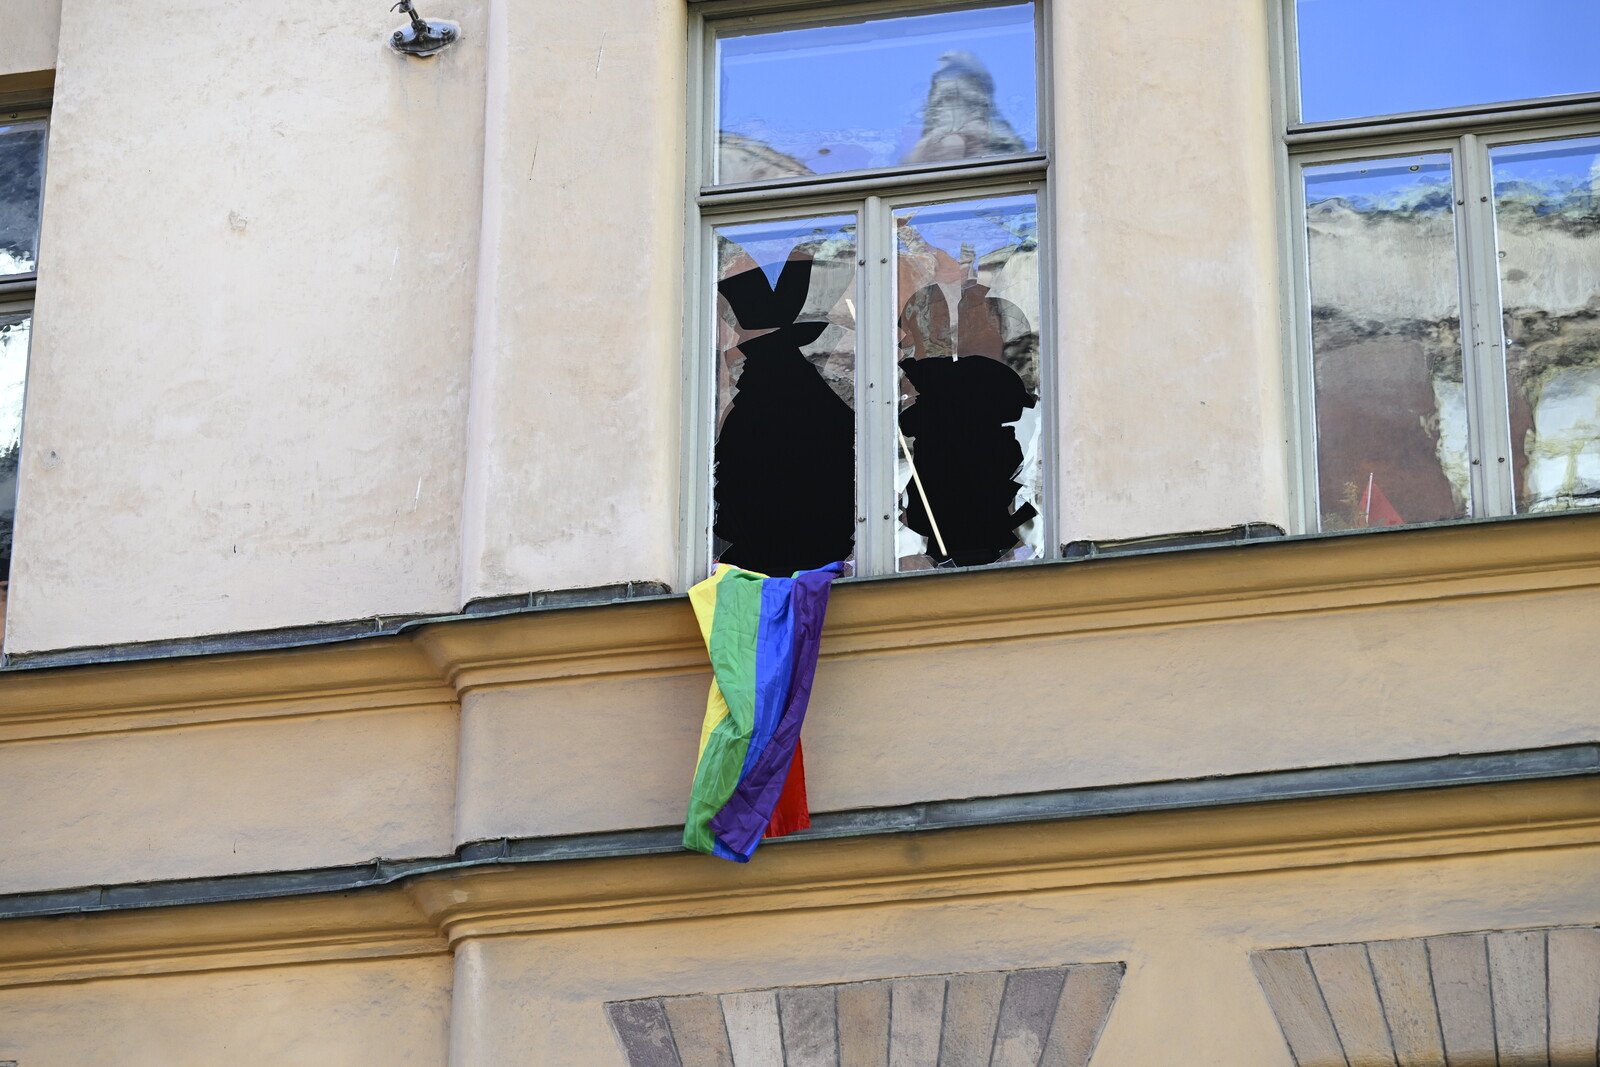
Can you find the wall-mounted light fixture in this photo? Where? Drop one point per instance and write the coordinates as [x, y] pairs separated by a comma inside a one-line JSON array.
[[422, 37]]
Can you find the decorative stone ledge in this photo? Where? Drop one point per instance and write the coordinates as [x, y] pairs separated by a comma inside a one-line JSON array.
[[1505, 996], [1050, 1016]]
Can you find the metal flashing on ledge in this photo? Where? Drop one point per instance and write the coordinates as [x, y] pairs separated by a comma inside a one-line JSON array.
[[1436, 772], [1232, 535], [326, 633], [1254, 536]]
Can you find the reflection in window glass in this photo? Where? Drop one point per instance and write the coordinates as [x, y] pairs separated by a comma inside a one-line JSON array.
[[14, 330], [1378, 57], [876, 93], [1391, 405], [969, 474], [784, 474], [1547, 227], [21, 188]]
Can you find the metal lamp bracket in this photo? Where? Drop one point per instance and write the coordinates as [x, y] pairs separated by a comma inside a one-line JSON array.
[[422, 37]]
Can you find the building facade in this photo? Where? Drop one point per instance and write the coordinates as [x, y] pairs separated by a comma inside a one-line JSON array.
[[1206, 397]]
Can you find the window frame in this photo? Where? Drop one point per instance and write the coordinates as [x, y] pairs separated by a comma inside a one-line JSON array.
[[1467, 134], [872, 196], [18, 292]]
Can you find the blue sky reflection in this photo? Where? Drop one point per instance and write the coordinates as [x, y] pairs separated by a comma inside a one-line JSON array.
[[850, 97], [1381, 57]]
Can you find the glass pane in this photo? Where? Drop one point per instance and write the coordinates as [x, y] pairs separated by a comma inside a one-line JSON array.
[[969, 473], [1379, 57], [1386, 342], [876, 93], [784, 468], [14, 331], [1547, 224], [21, 188]]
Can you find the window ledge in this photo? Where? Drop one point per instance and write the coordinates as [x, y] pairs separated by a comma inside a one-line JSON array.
[[642, 629]]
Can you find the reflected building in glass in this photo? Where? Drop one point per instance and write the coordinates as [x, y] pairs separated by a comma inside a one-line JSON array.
[[1547, 232], [1391, 398]]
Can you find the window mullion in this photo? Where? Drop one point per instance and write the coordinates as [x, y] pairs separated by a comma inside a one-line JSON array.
[[1481, 335], [1498, 475], [1302, 376], [876, 381]]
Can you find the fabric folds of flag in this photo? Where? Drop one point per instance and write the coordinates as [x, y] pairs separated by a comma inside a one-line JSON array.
[[763, 635]]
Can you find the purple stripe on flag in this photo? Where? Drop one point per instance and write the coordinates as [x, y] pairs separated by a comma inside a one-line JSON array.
[[775, 648], [743, 819]]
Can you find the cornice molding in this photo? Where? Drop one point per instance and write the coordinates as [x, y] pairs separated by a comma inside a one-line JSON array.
[[1007, 860], [1250, 580], [379, 674], [434, 664], [430, 913]]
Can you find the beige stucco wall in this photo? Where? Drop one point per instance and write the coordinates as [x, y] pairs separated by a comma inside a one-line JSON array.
[[573, 469], [331, 1015], [248, 385], [1172, 378], [30, 30], [279, 379]]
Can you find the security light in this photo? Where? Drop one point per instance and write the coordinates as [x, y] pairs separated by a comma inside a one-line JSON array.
[[423, 37]]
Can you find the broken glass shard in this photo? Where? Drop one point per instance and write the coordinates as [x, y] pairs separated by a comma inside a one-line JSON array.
[[21, 189], [783, 478], [14, 334], [969, 472]]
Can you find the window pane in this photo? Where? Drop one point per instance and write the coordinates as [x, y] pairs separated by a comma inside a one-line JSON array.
[[1547, 225], [784, 475], [1386, 342], [876, 93], [14, 331], [21, 187], [1379, 57], [969, 474]]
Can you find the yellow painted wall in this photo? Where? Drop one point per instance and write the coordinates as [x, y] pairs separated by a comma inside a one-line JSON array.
[[325, 1015], [1189, 995], [1181, 666], [537, 951], [983, 719], [222, 798]]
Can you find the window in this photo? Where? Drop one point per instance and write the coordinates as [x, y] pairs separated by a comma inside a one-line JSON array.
[[1445, 170], [22, 145], [869, 365]]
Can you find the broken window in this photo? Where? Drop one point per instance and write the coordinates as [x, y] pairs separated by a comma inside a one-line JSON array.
[[968, 467], [22, 145], [1449, 305], [873, 308], [785, 453]]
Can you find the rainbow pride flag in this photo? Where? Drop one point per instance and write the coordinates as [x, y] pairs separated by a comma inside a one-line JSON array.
[[763, 635]]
